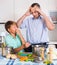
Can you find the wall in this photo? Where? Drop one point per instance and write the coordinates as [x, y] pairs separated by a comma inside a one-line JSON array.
[[53, 34], [6, 10]]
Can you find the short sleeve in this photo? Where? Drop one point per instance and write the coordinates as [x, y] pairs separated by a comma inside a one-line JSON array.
[[8, 43], [24, 24]]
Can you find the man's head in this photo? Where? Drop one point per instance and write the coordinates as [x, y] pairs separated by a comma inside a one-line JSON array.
[[35, 4], [33, 10], [10, 27]]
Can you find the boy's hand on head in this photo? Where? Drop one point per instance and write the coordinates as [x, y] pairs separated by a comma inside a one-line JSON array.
[[18, 31]]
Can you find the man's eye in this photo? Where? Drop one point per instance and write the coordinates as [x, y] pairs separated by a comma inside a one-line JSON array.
[[31, 12], [36, 12]]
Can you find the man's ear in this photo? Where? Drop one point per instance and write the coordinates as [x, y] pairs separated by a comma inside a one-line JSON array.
[[30, 9]]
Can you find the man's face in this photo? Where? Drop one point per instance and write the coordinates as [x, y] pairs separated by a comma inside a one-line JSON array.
[[12, 29], [34, 12]]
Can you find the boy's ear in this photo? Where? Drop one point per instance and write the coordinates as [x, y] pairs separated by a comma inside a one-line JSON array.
[[8, 30]]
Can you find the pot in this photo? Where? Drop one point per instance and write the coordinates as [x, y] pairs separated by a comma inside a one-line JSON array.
[[36, 50]]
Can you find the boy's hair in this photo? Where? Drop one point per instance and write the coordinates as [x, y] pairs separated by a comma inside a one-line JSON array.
[[8, 25], [37, 4]]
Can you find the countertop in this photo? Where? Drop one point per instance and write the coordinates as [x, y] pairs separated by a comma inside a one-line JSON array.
[[5, 61]]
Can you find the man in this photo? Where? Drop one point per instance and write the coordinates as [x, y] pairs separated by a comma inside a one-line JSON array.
[[37, 24]]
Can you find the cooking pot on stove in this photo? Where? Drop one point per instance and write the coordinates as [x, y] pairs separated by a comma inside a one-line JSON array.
[[36, 50]]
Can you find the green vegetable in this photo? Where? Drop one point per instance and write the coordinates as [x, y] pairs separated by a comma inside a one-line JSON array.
[[47, 62]]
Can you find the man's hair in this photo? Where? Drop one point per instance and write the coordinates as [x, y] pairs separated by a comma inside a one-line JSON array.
[[8, 25], [37, 4]]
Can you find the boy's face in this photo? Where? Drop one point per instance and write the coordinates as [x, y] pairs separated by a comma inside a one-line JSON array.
[[13, 28], [34, 12]]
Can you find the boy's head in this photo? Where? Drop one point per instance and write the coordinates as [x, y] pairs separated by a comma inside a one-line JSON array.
[[33, 10], [11, 26]]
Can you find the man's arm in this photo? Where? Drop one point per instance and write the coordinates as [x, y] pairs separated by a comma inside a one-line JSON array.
[[48, 22], [19, 21]]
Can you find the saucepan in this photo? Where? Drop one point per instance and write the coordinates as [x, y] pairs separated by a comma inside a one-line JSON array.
[[36, 50]]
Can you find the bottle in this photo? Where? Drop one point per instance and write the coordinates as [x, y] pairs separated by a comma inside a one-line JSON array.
[[3, 50], [48, 58], [42, 53], [50, 54]]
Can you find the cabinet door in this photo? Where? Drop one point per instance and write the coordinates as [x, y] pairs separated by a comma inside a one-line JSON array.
[[6, 10]]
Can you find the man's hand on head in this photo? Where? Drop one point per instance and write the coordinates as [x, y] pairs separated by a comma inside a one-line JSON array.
[[39, 11], [28, 12]]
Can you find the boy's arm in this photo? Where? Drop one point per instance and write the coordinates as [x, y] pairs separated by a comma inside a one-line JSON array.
[[20, 35], [22, 38], [19, 48]]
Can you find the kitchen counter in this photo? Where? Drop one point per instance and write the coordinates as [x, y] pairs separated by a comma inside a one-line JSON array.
[[5, 61]]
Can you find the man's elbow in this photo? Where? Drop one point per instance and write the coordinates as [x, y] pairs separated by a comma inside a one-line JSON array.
[[52, 27]]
